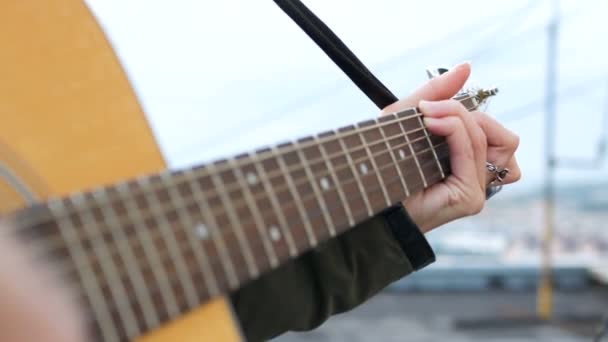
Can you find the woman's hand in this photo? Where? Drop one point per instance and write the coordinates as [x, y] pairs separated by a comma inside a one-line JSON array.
[[34, 306], [473, 139]]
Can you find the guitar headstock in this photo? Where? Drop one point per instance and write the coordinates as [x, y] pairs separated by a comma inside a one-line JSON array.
[[471, 97]]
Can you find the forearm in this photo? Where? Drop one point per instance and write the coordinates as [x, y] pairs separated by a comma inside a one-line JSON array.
[[334, 277]]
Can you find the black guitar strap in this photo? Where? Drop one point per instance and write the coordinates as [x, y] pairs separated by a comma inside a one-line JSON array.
[[369, 84]]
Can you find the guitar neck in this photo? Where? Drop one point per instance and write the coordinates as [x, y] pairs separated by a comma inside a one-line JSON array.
[[146, 250]]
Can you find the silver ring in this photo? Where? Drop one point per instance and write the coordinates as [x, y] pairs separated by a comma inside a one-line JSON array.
[[499, 173], [499, 176]]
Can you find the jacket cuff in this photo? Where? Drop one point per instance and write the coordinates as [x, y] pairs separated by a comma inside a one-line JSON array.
[[412, 241]]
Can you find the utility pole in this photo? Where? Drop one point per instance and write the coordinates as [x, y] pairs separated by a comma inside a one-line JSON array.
[[544, 305]]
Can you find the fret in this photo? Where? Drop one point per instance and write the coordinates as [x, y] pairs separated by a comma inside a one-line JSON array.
[[107, 263], [428, 139], [234, 222], [422, 147], [194, 232], [168, 239], [391, 130], [280, 215], [183, 229], [255, 211], [334, 177], [406, 128], [312, 239], [443, 153], [142, 232], [275, 172], [380, 157], [315, 187], [362, 192], [88, 278], [144, 306], [345, 179], [471, 103], [218, 240], [366, 167]]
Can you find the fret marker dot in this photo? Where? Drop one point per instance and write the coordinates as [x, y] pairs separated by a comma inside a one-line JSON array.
[[401, 154], [363, 168], [201, 231], [324, 183], [275, 234], [252, 179]]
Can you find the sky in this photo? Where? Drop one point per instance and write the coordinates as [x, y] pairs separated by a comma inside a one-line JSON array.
[[221, 77]]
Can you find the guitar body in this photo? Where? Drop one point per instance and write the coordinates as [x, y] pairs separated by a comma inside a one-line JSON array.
[[69, 120]]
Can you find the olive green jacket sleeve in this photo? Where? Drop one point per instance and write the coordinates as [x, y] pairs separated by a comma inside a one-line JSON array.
[[332, 278]]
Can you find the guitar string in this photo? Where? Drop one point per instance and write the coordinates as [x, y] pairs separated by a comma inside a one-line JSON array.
[[240, 203], [268, 176], [154, 291], [256, 243], [268, 154], [253, 159], [218, 169]]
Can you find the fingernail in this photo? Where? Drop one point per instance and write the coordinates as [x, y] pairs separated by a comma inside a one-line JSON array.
[[428, 121], [462, 65], [426, 105]]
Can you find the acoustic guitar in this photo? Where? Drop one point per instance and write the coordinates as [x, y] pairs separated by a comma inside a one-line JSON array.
[[153, 252]]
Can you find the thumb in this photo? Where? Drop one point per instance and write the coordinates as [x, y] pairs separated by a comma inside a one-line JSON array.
[[441, 87]]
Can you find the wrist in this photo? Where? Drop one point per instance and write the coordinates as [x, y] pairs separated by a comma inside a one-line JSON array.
[[410, 237]]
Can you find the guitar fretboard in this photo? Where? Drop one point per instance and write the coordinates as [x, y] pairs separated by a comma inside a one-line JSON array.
[[145, 251]]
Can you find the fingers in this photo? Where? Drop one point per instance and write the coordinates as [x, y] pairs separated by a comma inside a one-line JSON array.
[[461, 151], [502, 145], [439, 88], [497, 134], [477, 137], [514, 172]]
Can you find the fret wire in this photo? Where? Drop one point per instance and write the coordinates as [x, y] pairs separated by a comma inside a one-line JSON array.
[[142, 234], [350, 164], [190, 288], [390, 181], [312, 239], [186, 281], [135, 276], [332, 172], [409, 143], [187, 224], [428, 139], [89, 281], [259, 223], [235, 224], [216, 236], [392, 154], [108, 267], [293, 251], [373, 161], [315, 188]]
